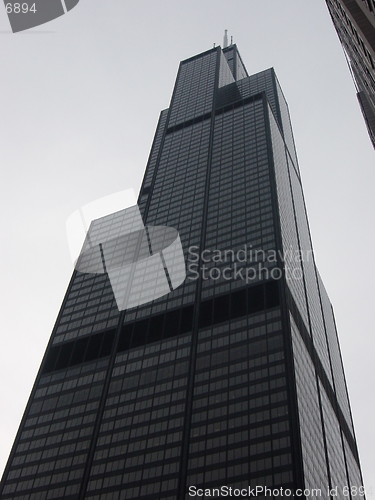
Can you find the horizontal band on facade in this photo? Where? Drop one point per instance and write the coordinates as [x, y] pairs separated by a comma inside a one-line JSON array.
[[240, 303], [207, 116]]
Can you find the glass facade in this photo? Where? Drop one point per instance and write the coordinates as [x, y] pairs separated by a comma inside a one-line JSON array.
[[235, 378], [354, 21]]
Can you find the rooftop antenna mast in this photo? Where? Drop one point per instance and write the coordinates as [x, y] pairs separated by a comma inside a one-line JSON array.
[[225, 43]]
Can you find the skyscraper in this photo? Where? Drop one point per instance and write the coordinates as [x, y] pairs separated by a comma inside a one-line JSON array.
[[235, 378], [354, 21]]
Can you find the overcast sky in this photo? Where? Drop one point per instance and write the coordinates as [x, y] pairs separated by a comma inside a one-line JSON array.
[[80, 98]]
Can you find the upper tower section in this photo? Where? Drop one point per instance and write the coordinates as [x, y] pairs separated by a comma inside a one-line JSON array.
[[235, 63], [218, 78], [193, 94]]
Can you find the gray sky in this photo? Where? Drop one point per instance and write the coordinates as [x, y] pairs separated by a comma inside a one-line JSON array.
[[80, 98]]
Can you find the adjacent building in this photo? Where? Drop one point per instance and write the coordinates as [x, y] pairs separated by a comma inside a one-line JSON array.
[[354, 21], [235, 378]]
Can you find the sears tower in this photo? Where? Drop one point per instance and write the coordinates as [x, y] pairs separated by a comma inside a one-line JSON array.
[[233, 379]]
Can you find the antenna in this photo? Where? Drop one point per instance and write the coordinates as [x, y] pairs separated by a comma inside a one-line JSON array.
[[225, 42], [231, 40]]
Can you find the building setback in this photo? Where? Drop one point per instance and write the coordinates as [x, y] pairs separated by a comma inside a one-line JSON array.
[[233, 379], [354, 21]]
